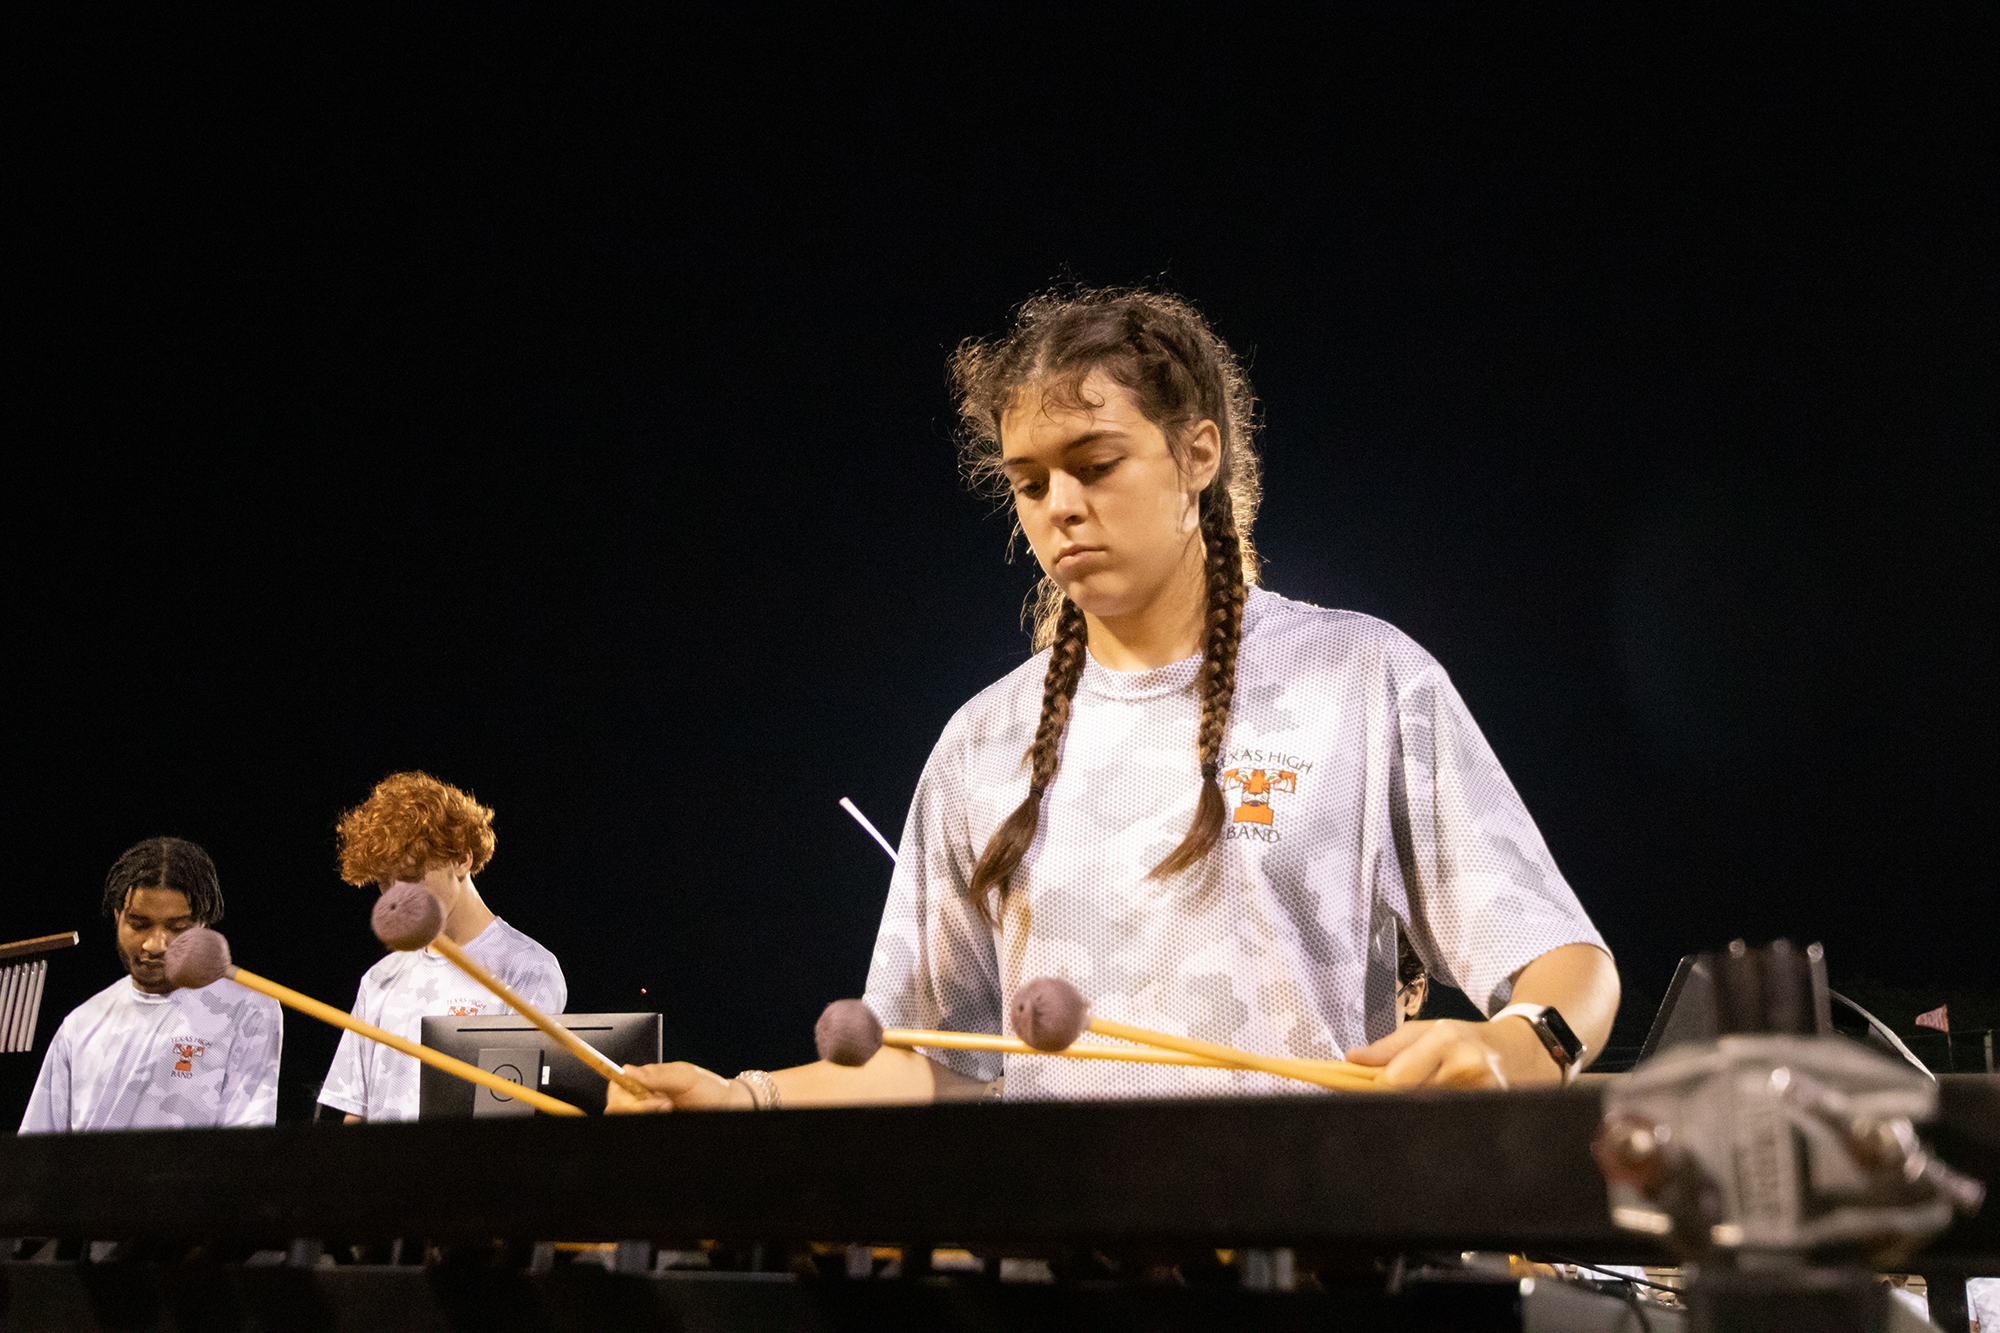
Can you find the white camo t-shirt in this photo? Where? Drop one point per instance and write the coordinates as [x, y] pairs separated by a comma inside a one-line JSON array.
[[1359, 794], [126, 1059], [370, 1080]]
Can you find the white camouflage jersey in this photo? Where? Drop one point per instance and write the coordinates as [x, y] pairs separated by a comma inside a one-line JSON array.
[[370, 1080], [1359, 794], [125, 1059], [1982, 1302]]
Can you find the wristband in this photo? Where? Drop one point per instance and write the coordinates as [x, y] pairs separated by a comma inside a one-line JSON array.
[[1555, 1035]]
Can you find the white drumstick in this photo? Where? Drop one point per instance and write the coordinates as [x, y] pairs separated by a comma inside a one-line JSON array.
[[862, 820]]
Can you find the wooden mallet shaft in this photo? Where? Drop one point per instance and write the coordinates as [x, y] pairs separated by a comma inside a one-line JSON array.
[[1327, 1074], [62, 939], [1335, 1072], [326, 1013], [911, 1038], [569, 1041]]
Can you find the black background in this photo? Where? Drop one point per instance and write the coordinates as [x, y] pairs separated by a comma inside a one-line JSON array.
[[554, 401]]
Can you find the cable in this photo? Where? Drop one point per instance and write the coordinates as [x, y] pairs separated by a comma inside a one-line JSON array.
[[1619, 1277], [1883, 1028], [1630, 1284]]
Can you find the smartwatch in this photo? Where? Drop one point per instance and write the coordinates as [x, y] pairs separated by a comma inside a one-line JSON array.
[[1556, 1037]]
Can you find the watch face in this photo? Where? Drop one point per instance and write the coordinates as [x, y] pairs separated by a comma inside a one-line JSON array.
[[1563, 1034]]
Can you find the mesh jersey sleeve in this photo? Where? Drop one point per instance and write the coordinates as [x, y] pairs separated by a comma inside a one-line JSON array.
[[250, 1094], [538, 978], [934, 964], [346, 1086], [1484, 896], [48, 1104]]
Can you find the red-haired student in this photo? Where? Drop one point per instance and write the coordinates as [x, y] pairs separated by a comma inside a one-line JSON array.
[[416, 829], [1208, 807]]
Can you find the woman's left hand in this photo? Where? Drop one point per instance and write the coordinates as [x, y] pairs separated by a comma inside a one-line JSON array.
[[1448, 1053], [1578, 980]]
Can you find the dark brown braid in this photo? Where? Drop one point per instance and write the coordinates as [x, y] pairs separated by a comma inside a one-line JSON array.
[[1226, 595], [1012, 839], [1180, 374]]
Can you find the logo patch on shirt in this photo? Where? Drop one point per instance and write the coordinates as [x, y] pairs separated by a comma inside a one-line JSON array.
[[188, 1052], [1259, 776], [463, 1009]]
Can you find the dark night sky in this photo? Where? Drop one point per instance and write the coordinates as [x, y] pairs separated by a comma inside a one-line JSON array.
[[556, 403]]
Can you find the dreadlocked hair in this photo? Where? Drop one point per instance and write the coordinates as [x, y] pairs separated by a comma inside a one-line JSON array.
[[1180, 374], [173, 864]]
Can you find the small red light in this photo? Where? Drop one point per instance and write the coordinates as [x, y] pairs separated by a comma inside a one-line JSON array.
[[642, 990]]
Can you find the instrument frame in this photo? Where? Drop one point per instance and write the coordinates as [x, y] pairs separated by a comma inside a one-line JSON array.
[[1383, 1172]]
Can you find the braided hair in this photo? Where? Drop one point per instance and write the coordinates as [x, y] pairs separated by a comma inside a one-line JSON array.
[[1180, 374], [174, 864]]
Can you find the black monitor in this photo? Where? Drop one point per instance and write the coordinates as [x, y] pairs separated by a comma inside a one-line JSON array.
[[520, 1052], [1688, 1014]]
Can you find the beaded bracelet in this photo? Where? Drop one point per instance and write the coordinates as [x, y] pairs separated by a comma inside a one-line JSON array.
[[763, 1089]]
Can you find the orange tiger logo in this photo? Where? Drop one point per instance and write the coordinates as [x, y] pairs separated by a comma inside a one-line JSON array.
[[1257, 785]]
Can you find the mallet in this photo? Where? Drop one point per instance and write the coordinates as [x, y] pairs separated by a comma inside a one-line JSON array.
[[1050, 1014], [848, 1033], [409, 917], [200, 957]]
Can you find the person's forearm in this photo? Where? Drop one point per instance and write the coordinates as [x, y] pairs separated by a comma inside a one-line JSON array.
[[892, 1076], [1581, 983]]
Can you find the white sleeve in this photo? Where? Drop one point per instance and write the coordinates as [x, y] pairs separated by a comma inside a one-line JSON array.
[[1982, 1301], [250, 1093], [538, 979], [934, 965], [1485, 897], [48, 1105], [346, 1086]]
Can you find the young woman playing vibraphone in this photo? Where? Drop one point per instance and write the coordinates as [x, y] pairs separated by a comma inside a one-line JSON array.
[[1207, 807]]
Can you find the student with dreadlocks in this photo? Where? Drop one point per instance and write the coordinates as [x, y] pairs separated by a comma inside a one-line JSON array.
[[141, 1054], [1209, 808]]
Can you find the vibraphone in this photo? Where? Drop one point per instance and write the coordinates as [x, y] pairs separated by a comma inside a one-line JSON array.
[[1122, 1203]]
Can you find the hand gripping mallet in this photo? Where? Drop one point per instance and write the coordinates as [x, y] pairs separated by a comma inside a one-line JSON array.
[[409, 917], [200, 957]]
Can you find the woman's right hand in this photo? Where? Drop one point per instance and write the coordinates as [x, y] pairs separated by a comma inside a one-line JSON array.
[[677, 1086]]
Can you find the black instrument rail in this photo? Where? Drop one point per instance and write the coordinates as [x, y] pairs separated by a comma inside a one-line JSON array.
[[1376, 1172]]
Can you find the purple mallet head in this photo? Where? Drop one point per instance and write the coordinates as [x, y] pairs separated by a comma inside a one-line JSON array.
[[1050, 1014], [407, 917], [197, 958], [848, 1033]]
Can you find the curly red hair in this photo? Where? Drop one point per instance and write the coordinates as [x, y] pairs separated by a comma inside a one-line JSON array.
[[412, 823]]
